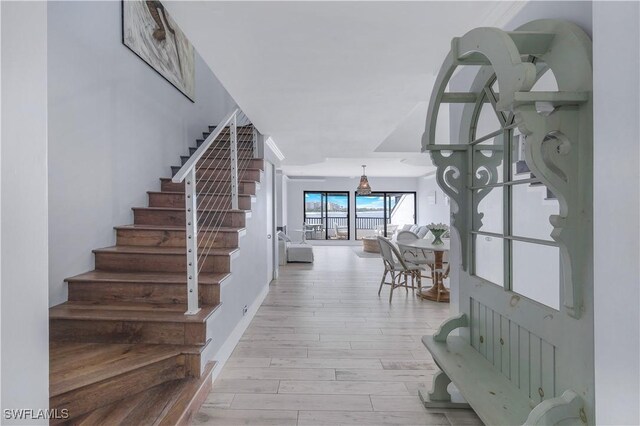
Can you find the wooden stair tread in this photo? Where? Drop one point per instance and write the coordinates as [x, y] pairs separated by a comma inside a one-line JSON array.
[[168, 179], [220, 145], [242, 169], [74, 365], [177, 228], [217, 194], [222, 251], [122, 349], [128, 312], [178, 209], [165, 404], [147, 277]]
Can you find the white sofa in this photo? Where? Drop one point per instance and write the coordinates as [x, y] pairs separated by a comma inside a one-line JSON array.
[[420, 231], [293, 252]]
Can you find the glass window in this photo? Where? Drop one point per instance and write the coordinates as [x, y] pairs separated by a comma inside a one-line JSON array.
[[512, 244], [382, 213], [536, 272], [326, 215], [489, 258]]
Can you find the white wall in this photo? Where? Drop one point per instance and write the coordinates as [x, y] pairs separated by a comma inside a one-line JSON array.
[[616, 73], [297, 186], [115, 127], [428, 213], [25, 316], [248, 280], [578, 12]]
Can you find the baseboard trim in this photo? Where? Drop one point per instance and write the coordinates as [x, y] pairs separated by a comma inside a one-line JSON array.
[[229, 345]]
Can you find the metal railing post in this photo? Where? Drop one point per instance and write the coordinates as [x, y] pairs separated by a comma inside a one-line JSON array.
[[191, 211], [234, 162]]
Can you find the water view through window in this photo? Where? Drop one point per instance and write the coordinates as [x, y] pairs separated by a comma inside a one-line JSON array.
[[326, 215], [381, 213]]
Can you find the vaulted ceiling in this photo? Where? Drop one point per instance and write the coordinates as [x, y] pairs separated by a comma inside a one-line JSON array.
[[335, 84]]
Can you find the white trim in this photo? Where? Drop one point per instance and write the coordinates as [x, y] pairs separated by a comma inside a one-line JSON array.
[[306, 178], [272, 145], [229, 345]]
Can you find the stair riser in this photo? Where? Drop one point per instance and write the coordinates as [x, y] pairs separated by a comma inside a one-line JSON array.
[[245, 188], [244, 142], [244, 131], [177, 218], [142, 262], [222, 175], [214, 164], [224, 152], [95, 395], [240, 129], [166, 238], [207, 201], [243, 128], [115, 292], [116, 331]]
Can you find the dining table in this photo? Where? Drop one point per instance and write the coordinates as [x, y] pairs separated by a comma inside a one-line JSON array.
[[438, 292]]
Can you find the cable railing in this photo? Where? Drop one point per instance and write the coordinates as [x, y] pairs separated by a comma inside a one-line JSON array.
[[211, 177]]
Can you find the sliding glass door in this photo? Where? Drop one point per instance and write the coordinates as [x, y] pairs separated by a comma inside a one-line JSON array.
[[381, 213], [326, 215]]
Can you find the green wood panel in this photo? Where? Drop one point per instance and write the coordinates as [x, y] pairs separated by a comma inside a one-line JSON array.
[[543, 342], [497, 347], [548, 370], [514, 356], [493, 397], [506, 347], [483, 330], [489, 331], [535, 383], [524, 361], [475, 324]]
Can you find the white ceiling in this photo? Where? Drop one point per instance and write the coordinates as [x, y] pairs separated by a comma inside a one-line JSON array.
[[335, 84]]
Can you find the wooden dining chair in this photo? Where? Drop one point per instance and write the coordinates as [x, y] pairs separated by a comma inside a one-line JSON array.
[[399, 270]]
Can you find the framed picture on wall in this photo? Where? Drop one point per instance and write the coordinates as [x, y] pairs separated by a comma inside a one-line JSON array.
[[150, 32]]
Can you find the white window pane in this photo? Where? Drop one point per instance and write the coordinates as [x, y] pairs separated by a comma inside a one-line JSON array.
[[536, 272], [443, 135], [489, 259], [531, 211], [490, 208], [487, 121], [488, 157]]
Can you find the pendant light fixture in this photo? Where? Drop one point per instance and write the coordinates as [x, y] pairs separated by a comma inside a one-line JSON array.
[[364, 188]]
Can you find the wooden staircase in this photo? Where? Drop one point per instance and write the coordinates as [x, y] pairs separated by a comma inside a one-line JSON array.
[[122, 351]]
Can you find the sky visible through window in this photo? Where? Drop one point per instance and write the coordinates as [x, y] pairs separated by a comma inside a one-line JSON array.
[[331, 204], [312, 198], [370, 203]]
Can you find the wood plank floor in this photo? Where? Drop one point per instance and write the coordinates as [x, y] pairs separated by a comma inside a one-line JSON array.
[[324, 349]]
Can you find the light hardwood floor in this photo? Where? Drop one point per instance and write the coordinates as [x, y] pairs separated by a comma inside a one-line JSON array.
[[324, 349]]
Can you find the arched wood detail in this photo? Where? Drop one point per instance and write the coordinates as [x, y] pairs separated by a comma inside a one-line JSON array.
[[558, 147]]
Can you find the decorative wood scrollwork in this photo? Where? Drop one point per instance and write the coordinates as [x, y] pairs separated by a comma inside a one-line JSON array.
[[450, 175], [558, 148]]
